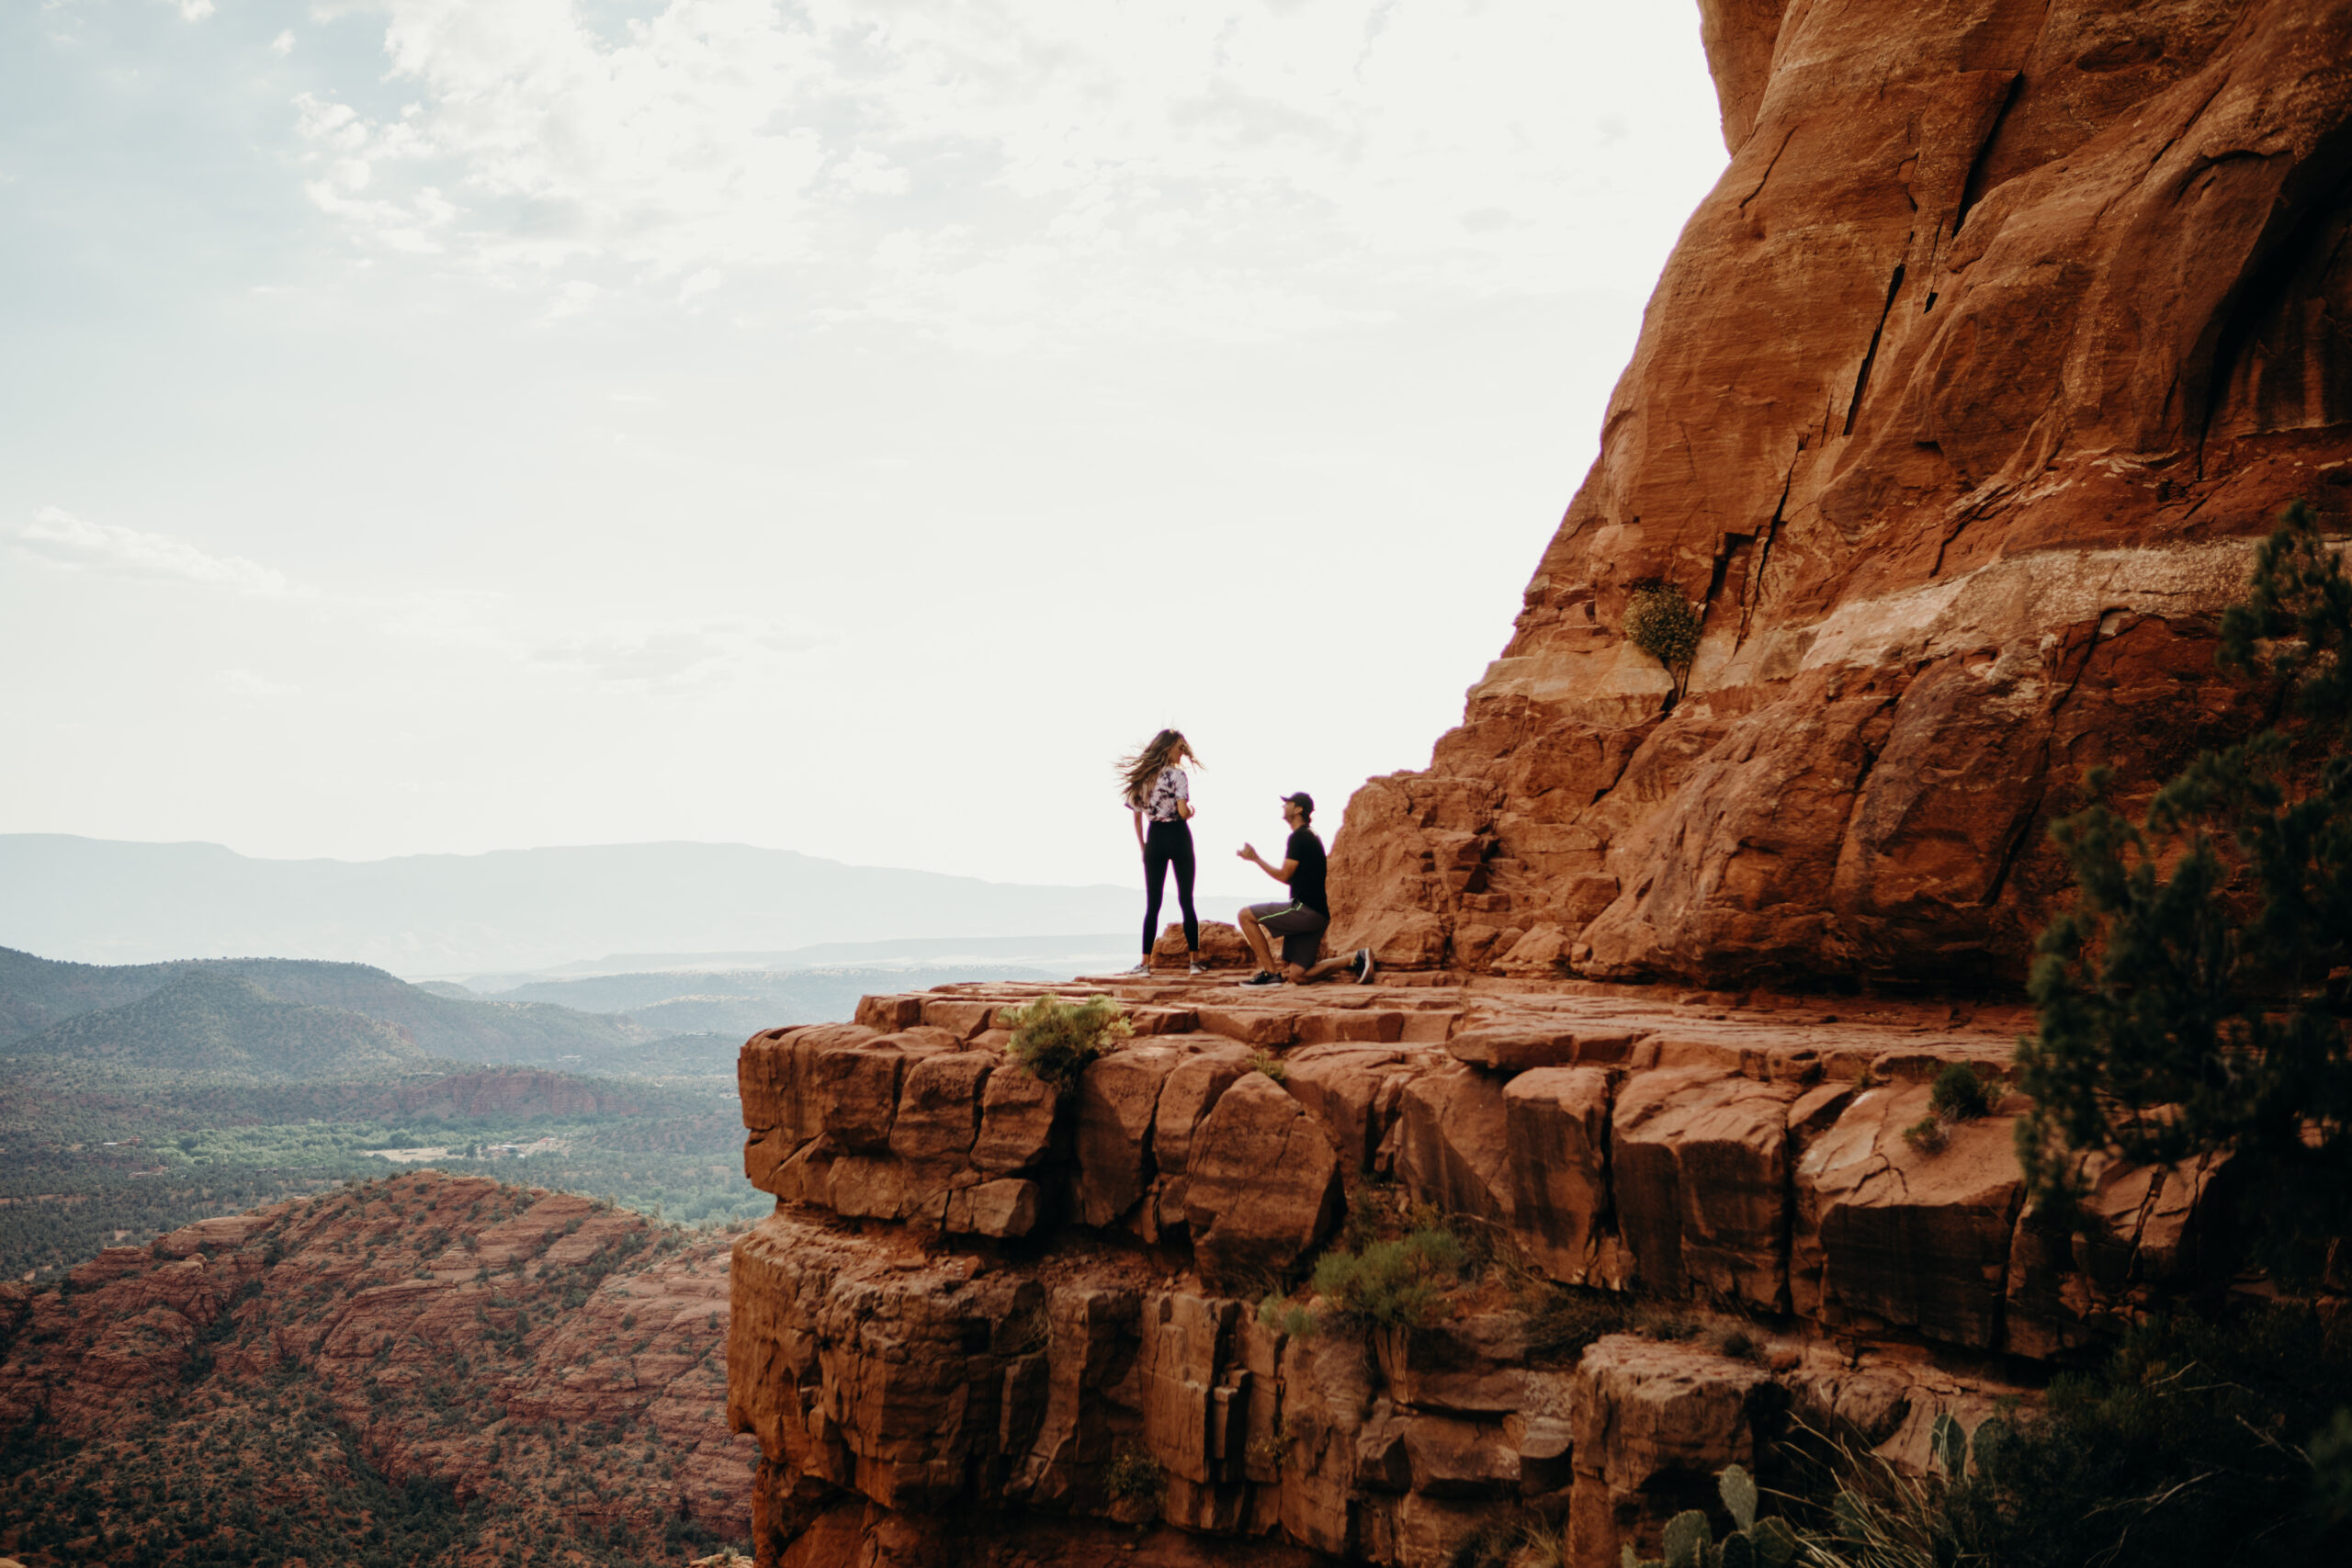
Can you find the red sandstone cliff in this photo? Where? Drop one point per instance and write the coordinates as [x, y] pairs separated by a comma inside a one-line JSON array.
[[982, 1301], [2009, 323]]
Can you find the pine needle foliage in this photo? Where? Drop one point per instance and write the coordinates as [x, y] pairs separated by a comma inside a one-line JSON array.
[[1661, 621], [2186, 1002], [1055, 1041]]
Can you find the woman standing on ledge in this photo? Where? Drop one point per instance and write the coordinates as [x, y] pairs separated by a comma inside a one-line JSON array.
[[1161, 799]]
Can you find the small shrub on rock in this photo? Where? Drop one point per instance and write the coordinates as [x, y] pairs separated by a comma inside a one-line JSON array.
[[1391, 1284], [1266, 1062], [1661, 621], [1926, 1135], [1286, 1317], [1054, 1041], [1134, 1476], [1959, 1094]]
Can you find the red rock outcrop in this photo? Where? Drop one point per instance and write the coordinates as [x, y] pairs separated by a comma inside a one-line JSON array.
[[1953, 411], [554, 1360], [910, 1372]]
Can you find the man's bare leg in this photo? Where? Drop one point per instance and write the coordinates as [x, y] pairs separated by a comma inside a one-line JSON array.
[[1323, 971], [1255, 935]]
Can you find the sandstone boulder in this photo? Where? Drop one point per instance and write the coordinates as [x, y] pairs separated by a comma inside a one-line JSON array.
[[1353, 1091], [1469, 1366], [1907, 1235], [1448, 1458], [939, 1107], [1259, 1025], [1018, 1122], [1454, 1144], [1512, 1045], [1118, 1098], [1700, 1168], [1263, 1186], [1192, 1087], [1221, 947], [1556, 1124], [1002, 1209]]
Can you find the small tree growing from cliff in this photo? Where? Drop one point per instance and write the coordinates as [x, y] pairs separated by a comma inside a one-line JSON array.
[[1055, 1041], [2193, 1001], [1661, 621]]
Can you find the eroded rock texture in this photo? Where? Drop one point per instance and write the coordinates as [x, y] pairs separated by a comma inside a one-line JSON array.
[[2007, 325], [924, 1372], [553, 1361]]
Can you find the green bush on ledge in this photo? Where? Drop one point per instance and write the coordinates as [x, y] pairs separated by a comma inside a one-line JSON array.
[[1391, 1284], [1054, 1041]]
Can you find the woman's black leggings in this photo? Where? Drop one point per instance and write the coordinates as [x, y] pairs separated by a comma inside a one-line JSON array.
[[1166, 844]]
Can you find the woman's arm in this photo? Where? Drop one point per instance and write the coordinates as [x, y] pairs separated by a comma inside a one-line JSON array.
[[1186, 807], [1136, 812]]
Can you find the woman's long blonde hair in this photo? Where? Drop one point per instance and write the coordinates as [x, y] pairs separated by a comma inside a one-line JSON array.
[[1141, 768]]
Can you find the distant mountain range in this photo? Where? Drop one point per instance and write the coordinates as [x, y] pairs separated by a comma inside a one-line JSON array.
[[211, 1024], [37, 995], [109, 901], [737, 1003]]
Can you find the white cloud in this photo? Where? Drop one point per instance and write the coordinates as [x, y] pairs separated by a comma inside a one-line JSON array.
[[666, 656], [1000, 170], [283, 44], [57, 535], [629, 655], [194, 10]]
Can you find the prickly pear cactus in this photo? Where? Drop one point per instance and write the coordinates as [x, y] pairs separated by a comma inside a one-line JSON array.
[[1738, 1489], [1687, 1538], [1772, 1542], [1757, 1543]]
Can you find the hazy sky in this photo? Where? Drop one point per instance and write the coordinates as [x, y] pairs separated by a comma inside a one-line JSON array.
[[460, 425]]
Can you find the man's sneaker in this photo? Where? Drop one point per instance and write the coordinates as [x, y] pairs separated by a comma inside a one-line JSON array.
[[1264, 977], [1364, 967]]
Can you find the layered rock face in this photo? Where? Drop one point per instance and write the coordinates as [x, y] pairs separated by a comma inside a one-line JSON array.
[[554, 1363], [983, 1302], [1956, 405]]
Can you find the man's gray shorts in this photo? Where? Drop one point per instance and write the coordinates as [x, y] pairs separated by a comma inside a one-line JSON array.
[[1300, 928]]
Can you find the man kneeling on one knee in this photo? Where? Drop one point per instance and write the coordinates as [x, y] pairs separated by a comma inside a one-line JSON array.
[[1299, 919]]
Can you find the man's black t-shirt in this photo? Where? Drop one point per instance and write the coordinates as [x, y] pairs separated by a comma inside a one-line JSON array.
[[1307, 881]]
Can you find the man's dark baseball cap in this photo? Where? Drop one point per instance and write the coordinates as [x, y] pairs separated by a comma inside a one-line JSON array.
[[1303, 800]]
